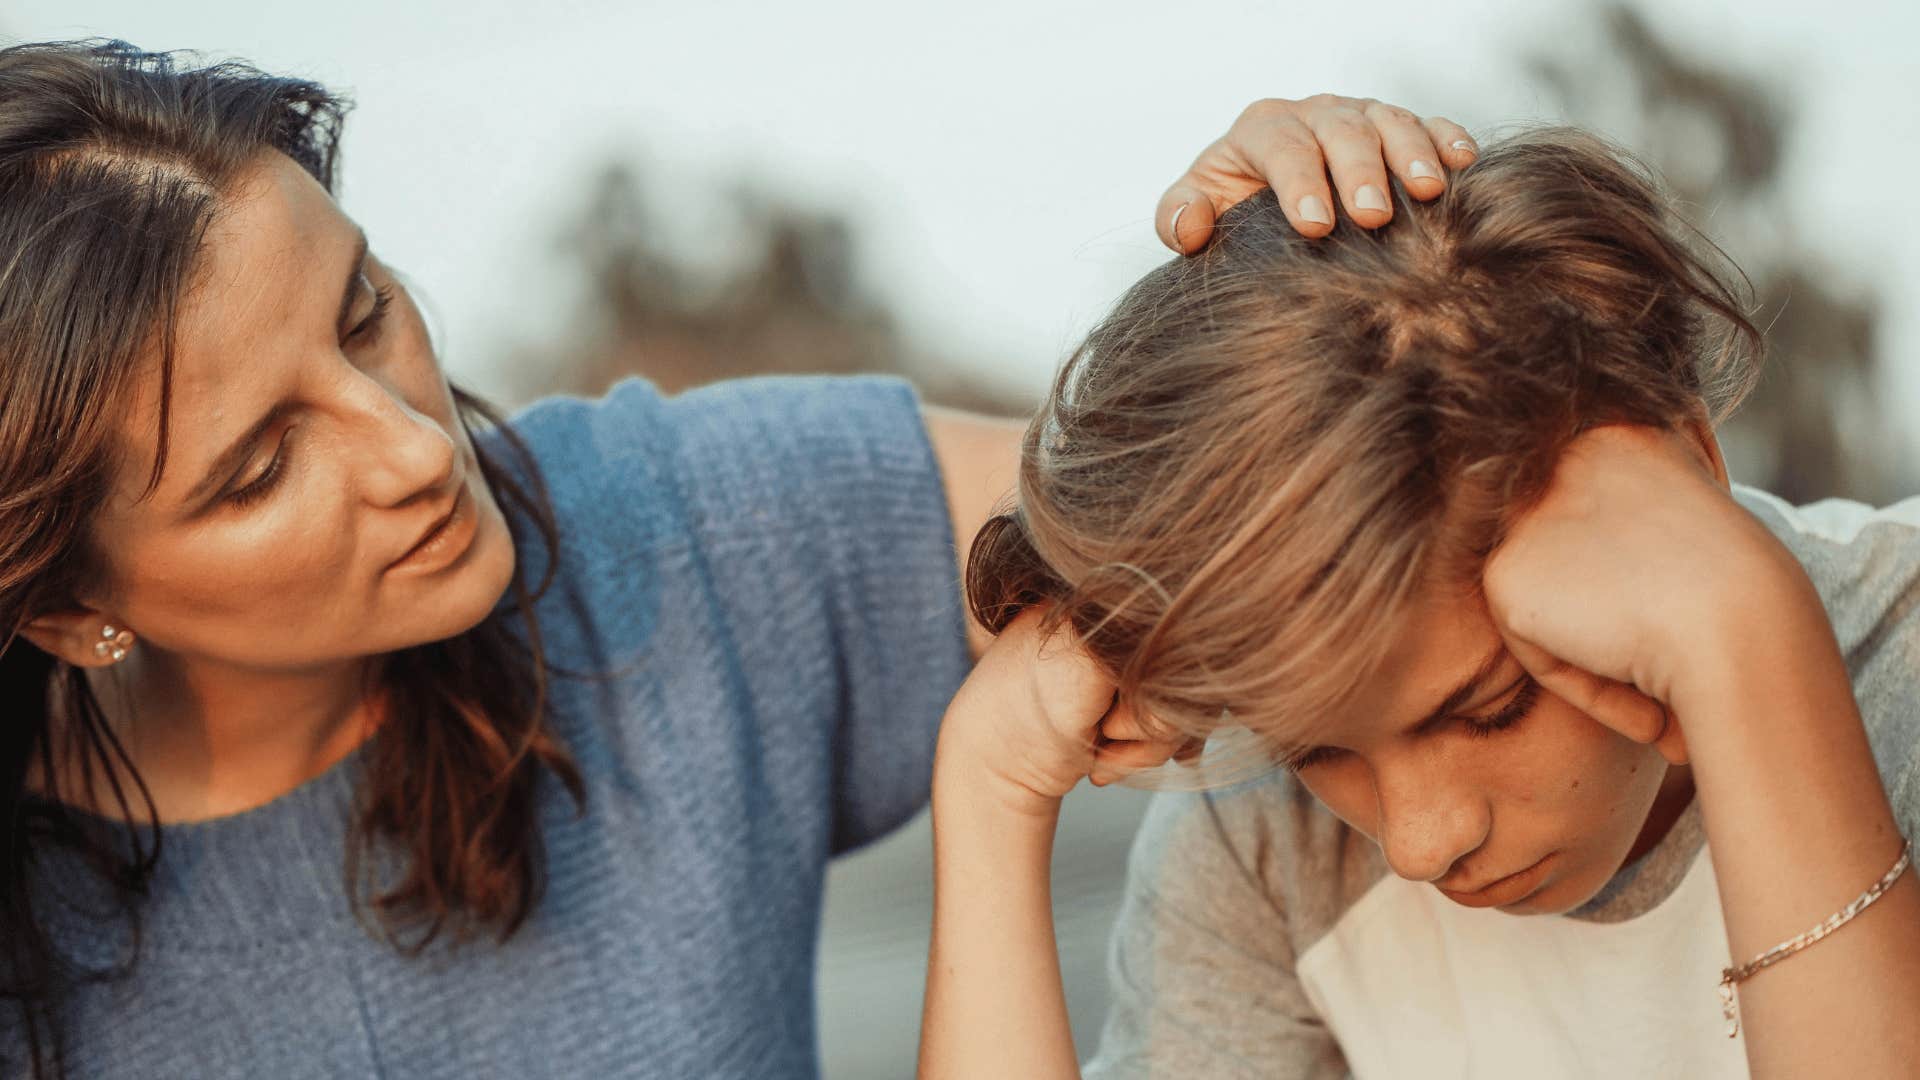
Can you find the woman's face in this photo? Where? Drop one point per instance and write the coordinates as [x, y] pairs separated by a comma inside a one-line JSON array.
[[1470, 776], [313, 443]]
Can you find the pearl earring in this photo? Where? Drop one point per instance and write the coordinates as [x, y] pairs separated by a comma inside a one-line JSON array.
[[113, 644]]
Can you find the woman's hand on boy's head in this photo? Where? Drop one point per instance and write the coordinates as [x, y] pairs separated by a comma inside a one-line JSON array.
[[1633, 584], [1036, 717], [1291, 146]]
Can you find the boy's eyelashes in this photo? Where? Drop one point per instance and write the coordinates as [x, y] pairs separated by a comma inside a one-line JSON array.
[[1525, 695], [1306, 759], [1514, 711]]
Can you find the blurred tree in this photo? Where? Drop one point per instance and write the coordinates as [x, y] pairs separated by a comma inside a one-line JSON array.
[[797, 300], [1817, 425], [794, 300]]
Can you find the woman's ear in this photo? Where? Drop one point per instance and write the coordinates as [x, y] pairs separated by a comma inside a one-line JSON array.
[[82, 637]]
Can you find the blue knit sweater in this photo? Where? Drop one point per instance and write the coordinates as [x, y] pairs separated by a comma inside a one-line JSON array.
[[771, 564]]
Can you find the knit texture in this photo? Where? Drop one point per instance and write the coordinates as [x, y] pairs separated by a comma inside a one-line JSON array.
[[769, 564]]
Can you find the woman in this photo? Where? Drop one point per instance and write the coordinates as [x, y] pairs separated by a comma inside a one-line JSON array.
[[1460, 551], [637, 667]]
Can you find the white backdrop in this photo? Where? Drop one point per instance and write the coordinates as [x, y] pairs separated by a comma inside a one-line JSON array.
[[1004, 157]]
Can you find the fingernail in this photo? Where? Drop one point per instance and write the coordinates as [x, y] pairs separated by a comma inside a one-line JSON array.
[[1462, 144], [1417, 169], [1174, 228], [1312, 209], [1370, 198]]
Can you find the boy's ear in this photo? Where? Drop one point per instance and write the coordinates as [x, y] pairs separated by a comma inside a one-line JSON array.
[[76, 636]]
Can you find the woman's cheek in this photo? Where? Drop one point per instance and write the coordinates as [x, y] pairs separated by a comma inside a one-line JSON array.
[[289, 546]]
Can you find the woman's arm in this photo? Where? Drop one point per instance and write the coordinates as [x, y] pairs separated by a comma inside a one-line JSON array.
[[1683, 600], [1290, 146], [979, 458]]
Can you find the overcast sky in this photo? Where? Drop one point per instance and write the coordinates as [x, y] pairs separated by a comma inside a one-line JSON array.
[[1003, 158]]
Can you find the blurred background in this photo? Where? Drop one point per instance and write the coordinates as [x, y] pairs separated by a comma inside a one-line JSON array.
[[585, 190]]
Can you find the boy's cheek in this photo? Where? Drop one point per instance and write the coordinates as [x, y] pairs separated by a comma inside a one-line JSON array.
[[1346, 795]]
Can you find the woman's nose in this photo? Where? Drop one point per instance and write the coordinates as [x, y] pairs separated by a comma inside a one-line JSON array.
[[1427, 822], [406, 450]]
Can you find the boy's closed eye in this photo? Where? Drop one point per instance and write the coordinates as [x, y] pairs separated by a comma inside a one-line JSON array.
[[1514, 703]]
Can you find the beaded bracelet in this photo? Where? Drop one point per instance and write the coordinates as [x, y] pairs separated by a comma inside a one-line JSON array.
[[1730, 976]]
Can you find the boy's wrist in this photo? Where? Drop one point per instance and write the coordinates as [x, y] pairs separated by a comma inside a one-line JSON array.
[[975, 783], [1771, 641]]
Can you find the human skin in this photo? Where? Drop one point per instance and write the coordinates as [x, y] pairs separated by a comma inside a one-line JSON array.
[[1652, 609], [1477, 799], [256, 623], [257, 627], [1464, 806], [1310, 151]]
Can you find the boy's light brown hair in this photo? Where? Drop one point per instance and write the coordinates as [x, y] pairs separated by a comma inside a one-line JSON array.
[[1257, 460]]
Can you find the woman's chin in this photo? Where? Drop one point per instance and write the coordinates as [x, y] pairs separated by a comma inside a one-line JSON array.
[[449, 604]]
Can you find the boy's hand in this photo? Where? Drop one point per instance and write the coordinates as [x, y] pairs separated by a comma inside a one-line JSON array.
[[1038, 715], [1638, 581]]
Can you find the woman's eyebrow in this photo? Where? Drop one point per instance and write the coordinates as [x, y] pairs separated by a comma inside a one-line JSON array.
[[1465, 692], [353, 278]]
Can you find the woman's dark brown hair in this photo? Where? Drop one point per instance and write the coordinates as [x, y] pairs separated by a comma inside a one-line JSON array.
[[112, 163], [1249, 469]]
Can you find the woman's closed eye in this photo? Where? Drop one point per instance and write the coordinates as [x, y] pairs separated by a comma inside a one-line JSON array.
[[262, 486], [367, 330]]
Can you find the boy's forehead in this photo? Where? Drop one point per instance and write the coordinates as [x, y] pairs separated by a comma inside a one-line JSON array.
[[1443, 637]]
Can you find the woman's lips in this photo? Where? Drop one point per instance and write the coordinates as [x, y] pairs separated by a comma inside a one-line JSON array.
[[1507, 890], [444, 543]]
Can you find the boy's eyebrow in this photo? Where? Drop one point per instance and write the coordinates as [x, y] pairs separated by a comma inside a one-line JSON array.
[[1468, 689], [1465, 692]]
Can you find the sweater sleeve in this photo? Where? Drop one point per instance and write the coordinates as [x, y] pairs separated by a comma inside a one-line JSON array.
[[775, 558], [824, 491]]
